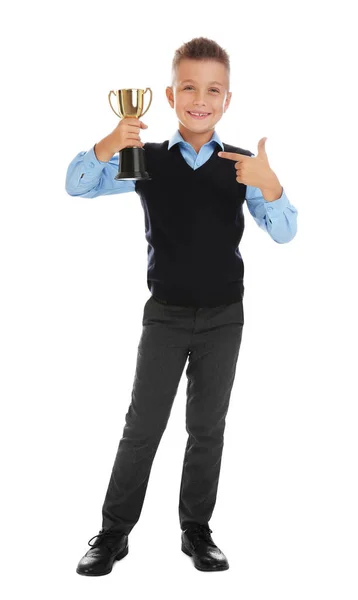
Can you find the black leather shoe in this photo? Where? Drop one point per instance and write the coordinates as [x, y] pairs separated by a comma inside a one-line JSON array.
[[197, 542], [108, 547]]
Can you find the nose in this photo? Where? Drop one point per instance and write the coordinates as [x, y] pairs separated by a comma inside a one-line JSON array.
[[198, 103], [199, 99]]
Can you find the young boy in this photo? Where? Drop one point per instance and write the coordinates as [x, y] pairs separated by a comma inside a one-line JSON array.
[[193, 206]]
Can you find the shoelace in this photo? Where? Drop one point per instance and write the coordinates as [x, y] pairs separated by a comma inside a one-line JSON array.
[[198, 533], [102, 534]]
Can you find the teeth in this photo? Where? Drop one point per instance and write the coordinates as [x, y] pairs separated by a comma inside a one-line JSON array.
[[199, 114]]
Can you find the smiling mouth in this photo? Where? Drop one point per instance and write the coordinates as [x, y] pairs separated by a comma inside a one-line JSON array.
[[197, 117]]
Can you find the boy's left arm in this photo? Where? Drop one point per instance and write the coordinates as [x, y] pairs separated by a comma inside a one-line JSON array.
[[266, 198], [277, 217]]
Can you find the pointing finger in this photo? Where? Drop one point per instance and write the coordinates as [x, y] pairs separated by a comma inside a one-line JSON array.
[[232, 155]]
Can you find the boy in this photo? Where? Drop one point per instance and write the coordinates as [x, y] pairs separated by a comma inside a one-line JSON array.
[[194, 222]]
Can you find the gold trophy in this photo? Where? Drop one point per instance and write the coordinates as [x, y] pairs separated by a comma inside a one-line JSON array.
[[132, 158]]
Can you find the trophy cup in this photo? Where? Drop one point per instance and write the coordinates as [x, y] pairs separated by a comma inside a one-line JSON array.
[[132, 158]]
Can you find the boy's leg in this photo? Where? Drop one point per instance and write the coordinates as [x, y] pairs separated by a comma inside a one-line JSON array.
[[211, 373], [162, 354]]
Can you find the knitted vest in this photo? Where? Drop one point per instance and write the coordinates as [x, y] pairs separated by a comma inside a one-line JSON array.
[[194, 222]]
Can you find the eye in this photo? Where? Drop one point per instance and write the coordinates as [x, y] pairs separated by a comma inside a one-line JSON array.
[[190, 86]]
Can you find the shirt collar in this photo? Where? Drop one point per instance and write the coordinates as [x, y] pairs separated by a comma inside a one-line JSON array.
[[177, 138]]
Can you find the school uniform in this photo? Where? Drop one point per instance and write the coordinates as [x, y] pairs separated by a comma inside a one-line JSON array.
[[194, 222]]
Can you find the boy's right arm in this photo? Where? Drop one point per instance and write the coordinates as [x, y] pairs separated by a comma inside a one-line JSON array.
[[91, 174], [89, 177]]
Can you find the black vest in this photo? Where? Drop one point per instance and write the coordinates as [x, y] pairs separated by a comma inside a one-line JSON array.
[[194, 222]]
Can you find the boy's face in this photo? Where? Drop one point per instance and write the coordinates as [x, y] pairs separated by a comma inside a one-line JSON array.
[[200, 94]]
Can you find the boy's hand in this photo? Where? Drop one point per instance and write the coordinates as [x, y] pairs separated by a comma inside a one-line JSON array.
[[254, 171], [126, 134]]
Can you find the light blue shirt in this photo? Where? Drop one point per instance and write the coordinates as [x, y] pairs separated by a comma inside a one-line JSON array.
[[89, 177]]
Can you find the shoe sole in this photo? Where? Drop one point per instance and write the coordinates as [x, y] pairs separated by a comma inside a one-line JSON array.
[[188, 553], [120, 555]]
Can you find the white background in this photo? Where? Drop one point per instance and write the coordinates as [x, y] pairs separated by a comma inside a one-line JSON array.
[[73, 288]]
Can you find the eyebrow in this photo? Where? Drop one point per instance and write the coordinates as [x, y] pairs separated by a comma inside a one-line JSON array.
[[210, 83]]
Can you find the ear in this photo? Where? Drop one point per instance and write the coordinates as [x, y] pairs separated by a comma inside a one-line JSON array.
[[227, 101], [170, 95]]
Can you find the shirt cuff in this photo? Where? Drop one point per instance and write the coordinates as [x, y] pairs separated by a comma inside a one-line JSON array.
[[91, 162], [276, 206]]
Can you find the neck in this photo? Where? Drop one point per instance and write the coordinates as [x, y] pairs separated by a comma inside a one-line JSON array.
[[196, 140]]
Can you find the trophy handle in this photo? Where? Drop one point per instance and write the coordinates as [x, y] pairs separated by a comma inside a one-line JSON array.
[[109, 100], [150, 101]]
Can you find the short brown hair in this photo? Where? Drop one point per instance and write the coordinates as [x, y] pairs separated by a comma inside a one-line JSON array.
[[200, 48]]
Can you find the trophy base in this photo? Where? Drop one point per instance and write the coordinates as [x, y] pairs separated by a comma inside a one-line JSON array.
[[132, 164], [136, 175]]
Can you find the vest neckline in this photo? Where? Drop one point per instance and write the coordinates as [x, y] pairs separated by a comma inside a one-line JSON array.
[[206, 163]]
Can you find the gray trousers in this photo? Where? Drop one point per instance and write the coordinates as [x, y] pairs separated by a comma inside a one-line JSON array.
[[210, 339]]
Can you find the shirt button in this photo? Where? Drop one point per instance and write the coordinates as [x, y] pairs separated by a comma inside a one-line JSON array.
[[91, 165]]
